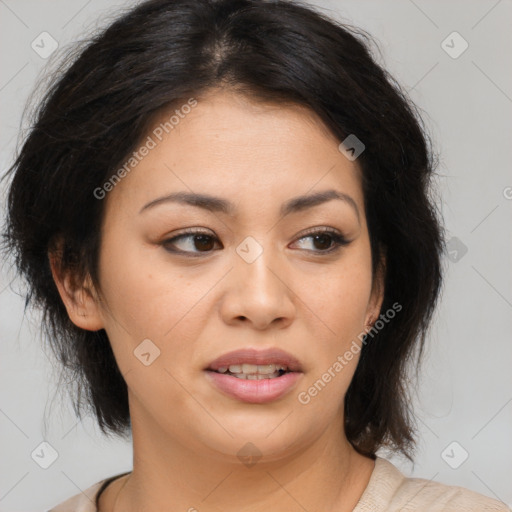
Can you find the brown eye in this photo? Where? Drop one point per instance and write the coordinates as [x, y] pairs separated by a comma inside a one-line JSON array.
[[191, 243], [203, 242], [324, 241]]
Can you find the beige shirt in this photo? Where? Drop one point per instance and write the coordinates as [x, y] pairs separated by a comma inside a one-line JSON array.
[[387, 491]]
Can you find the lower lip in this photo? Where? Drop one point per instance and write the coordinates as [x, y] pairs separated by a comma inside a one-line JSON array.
[[254, 391]]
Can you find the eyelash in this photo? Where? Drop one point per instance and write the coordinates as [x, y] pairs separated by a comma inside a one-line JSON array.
[[337, 238]]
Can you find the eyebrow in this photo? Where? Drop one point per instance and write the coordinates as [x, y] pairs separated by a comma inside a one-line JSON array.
[[217, 204]]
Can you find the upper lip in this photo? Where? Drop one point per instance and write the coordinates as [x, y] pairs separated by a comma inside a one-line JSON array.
[[255, 356]]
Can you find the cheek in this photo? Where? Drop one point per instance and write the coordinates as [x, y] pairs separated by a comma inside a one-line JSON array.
[[338, 299], [341, 306], [153, 319], [340, 294], [169, 313], [146, 301]]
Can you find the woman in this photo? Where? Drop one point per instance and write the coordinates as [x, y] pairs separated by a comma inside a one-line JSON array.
[[223, 210]]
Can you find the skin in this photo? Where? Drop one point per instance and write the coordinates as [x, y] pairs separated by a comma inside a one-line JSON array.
[[186, 433]]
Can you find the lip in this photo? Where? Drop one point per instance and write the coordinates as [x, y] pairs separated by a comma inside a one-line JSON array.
[[255, 391]]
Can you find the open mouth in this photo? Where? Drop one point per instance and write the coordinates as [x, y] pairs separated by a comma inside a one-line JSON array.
[[254, 371], [255, 376]]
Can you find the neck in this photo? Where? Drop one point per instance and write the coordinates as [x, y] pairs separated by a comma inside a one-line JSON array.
[[326, 474]]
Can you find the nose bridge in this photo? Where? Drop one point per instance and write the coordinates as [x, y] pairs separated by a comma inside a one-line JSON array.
[[259, 265], [262, 294]]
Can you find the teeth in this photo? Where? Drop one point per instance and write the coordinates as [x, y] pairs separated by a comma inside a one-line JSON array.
[[249, 368], [253, 369], [266, 369], [256, 376]]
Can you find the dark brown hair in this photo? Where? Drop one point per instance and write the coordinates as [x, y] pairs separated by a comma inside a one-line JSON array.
[[161, 53]]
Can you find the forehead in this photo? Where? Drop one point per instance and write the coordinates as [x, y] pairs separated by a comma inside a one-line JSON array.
[[249, 152]]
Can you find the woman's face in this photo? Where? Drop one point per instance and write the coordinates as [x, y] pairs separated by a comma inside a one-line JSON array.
[[253, 278]]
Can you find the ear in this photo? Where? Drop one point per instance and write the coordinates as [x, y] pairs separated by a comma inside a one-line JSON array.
[[377, 294], [80, 299]]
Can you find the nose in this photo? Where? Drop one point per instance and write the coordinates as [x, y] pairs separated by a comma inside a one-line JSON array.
[[259, 293]]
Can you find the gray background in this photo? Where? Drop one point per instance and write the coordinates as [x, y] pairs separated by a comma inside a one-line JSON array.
[[465, 393]]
